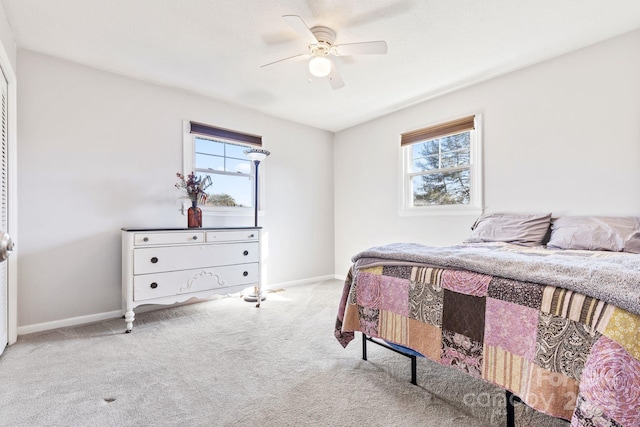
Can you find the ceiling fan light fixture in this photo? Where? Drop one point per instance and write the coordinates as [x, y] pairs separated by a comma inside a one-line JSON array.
[[321, 46], [320, 66]]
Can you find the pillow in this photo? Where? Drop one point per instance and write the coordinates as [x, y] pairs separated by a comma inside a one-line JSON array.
[[632, 244], [520, 229], [596, 233]]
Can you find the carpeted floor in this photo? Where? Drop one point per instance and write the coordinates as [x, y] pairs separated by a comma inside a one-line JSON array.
[[226, 363]]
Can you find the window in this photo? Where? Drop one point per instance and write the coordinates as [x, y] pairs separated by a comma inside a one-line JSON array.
[[441, 168], [219, 153]]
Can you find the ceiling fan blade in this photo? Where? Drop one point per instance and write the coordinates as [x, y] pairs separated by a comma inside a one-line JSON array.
[[301, 28], [299, 56], [335, 80], [363, 48]]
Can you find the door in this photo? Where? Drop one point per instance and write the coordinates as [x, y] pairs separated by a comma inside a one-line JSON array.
[[5, 242]]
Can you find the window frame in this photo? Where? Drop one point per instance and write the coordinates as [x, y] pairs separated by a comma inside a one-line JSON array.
[[476, 202], [188, 166]]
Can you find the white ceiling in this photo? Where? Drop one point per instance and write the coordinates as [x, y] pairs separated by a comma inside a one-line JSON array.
[[216, 47]]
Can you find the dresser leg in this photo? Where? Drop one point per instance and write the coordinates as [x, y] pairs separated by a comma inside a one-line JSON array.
[[128, 318]]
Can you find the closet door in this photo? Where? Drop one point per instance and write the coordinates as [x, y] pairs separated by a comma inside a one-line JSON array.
[[3, 216]]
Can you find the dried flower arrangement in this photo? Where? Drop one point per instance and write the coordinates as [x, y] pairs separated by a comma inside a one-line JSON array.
[[194, 186]]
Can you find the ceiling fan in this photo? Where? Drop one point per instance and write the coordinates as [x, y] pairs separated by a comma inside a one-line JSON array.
[[321, 44]]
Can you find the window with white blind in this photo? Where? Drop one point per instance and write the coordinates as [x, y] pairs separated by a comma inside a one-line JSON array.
[[219, 154], [442, 168]]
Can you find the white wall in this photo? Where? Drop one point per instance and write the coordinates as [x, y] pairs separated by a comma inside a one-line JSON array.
[[7, 43], [98, 151], [561, 136]]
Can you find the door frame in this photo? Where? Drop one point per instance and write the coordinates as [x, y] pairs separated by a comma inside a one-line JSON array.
[[12, 195]]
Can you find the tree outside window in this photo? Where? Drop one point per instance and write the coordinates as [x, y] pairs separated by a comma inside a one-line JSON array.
[[441, 171]]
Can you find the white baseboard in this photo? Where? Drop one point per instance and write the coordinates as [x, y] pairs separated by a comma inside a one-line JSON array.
[[300, 282], [90, 318], [72, 321]]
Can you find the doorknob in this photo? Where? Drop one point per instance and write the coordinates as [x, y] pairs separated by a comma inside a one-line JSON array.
[[6, 246]]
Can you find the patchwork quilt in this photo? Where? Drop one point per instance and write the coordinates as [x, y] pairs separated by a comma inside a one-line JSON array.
[[569, 354]]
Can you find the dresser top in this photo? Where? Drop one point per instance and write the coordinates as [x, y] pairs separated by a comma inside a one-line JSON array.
[[190, 229]]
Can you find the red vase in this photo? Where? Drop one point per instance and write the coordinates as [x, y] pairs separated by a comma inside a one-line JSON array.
[[194, 215]]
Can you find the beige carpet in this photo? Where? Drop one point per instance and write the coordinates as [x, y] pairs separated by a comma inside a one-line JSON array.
[[226, 363]]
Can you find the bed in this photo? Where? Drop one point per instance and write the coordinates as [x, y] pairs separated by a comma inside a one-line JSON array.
[[557, 325]]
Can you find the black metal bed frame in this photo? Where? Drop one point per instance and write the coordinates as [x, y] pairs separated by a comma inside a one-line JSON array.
[[381, 344], [511, 398]]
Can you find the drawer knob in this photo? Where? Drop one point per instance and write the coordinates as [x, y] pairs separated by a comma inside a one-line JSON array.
[[146, 239], [154, 260], [195, 237], [245, 253], [154, 285], [245, 274]]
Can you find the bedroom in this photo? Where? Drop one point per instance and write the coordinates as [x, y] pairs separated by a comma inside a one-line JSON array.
[[80, 178]]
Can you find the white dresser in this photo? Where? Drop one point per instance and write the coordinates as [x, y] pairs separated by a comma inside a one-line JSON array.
[[166, 266]]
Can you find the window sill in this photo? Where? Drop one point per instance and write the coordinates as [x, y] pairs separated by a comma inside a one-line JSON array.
[[221, 211], [440, 210]]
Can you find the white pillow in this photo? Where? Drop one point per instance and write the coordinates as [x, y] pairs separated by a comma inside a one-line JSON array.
[[596, 233], [517, 228]]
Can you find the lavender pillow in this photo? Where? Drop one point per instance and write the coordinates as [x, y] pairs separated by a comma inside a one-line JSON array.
[[517, 228], [596, 233]]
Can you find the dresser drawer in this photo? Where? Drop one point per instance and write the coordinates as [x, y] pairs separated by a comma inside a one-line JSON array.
[[160, 259], [149, 239], [160, 285], [232, 236]]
